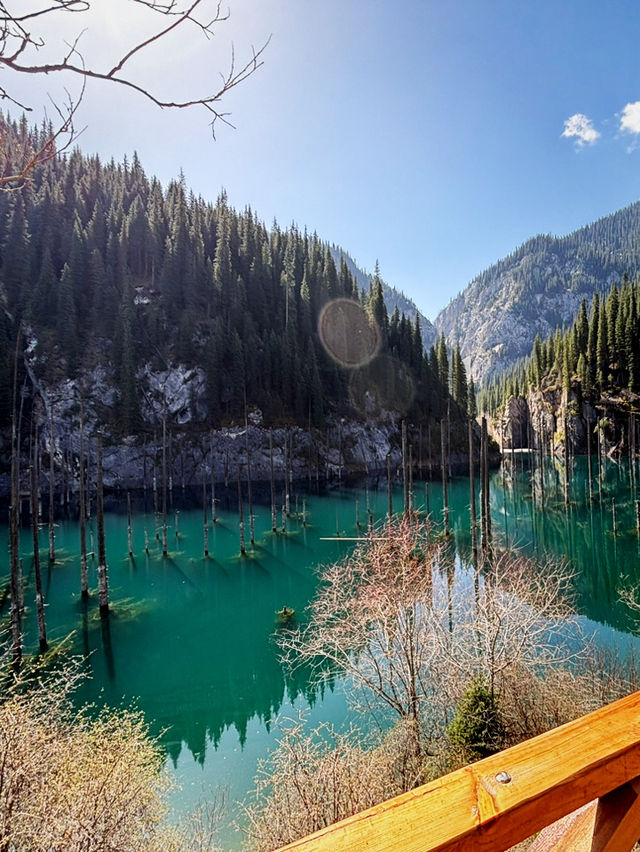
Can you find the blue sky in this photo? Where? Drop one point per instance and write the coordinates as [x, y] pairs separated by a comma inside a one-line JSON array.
[[427, 135]]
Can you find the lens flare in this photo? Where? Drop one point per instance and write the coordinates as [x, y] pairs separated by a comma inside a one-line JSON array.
[[347, 333]]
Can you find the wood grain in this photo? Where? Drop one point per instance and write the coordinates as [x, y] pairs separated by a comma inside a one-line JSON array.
[[551, 776]]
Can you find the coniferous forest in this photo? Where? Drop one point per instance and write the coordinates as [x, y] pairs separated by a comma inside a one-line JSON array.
[[102, 267]]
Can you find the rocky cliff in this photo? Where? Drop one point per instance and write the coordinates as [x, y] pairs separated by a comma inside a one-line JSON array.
[[537, 289], [174, 403], [549, 417]]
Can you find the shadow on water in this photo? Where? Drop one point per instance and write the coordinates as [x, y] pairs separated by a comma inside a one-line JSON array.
[[107, 647]]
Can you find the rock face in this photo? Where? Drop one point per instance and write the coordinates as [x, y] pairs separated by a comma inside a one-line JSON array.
[[177, 396], [537, 289], [543, 416], [344, 447]]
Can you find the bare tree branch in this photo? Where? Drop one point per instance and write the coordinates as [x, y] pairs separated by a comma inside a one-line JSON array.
[[17, 44]]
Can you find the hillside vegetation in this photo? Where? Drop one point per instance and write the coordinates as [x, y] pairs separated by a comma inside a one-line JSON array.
[[537, 288], [104, 269]]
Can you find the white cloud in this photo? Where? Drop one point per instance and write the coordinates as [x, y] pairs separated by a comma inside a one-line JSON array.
[[580, 128], [630, 118]]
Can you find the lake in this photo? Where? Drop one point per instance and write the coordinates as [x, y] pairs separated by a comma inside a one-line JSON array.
[[190, 641]]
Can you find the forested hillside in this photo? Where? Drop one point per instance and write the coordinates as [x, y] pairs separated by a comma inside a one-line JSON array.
[[538, 288], [597, 356], [393, 298], [105, 270]]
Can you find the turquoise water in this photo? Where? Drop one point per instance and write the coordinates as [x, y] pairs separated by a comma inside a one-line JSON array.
[[190, 641]]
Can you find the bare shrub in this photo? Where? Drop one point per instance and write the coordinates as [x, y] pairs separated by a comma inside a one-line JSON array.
[[80, 780], [412, 636], [372, 619], [315, 779]]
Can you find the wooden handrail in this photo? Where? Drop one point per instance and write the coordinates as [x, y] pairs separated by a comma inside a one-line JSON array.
[[498, 802]]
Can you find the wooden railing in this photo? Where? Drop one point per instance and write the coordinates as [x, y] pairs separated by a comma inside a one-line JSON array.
[[587, 772]]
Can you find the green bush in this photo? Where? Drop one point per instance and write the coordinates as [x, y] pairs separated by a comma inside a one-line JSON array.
[[477, 729]]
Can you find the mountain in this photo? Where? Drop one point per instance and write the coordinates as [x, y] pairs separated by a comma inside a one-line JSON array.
[[155, 307], [392, 298], [537, 289]]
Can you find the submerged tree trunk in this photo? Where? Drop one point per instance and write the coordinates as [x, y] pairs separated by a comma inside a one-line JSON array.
[[405, 473], [213, 484], [249, 493], [243, 549], [103, 581], [274, 518], [445, 492], [485, 502], [472, 497], [84, 570], [164, 480], [52, 540], [42, 628], [14, 544], [632, 454], [589, 464], [287, 476], [129, 527], [204, 513], [566, 463]]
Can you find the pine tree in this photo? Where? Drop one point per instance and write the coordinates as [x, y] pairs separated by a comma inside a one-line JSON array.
[[376, 306], [443, 362], [472, 405], [602, 350], [582, 328], [592, 345]]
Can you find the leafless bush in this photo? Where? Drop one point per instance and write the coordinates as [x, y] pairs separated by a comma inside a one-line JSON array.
[[372, 619], [317, 778], [412, 636], [80, 780]]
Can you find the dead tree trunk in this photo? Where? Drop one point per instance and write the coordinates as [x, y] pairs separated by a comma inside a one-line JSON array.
[[472, 497], [164, 480], [487, 487], [589, 464], [274, 518], [287, 477], [632, 454], [42, 628], [405, 473], [204, 512], [103, 580], [52, 538], [129, 527], [252, 532], [485, 502], [241, 513], [600, 461], [445, 492], [411, 479], [566, 463], [213, 484], [14, 544], [84, 569]]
